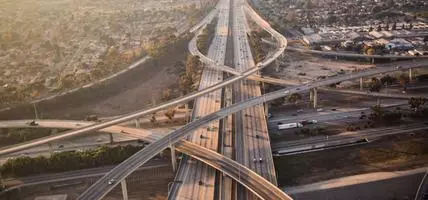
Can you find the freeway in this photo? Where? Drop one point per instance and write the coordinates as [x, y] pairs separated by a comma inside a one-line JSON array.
[[240, 173], [192, 173], [100, 188], [353, 55], [422, 192], [252, 143], [326, 116], [343, 139], [373, 94], [71, 175]]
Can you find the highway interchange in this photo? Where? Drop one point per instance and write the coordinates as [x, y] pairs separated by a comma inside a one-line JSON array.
[[249, 179]]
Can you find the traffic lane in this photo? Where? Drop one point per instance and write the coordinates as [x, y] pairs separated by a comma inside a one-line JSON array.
[[348, 137]]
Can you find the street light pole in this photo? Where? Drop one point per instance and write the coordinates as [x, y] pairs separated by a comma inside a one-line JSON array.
[[35, 112]]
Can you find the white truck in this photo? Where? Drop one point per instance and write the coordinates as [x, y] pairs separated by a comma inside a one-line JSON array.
[[289, 125]]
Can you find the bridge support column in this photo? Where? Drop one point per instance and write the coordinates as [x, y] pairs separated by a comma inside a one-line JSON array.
[[315, 97], [378, 101], [372, 60], [361, 83], [311, 95], [137, 123], [111, 138], [410, 74], [276, 66], [50, 149], [124, 189], [266, 109], [173, 158]]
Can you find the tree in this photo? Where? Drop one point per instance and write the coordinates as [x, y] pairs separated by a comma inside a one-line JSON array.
[[388, 80], [416, 103], [394, 26], [277, 102], [293, 98], [375, 85], [404, 80], [153, 119], [170, 114], [166, 94], [377, 113]]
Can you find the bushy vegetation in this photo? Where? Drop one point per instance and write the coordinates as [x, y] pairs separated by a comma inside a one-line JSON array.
[[257, 47], [190, 75], [205, 38], [160, 47], [65, 161]]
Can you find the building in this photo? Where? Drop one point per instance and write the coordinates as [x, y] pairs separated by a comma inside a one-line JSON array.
[[399, 44], [308, 31], [312, 39]]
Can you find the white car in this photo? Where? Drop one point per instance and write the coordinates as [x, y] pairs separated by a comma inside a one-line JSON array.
[[111, 181], [286, 92]]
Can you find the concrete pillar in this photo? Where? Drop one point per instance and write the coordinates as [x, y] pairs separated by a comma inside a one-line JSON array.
[[372, 60], [124, 189], [315, 97], [378, 101], [361, 83], [311, 95], [50, 149], [137, 123], [266, 109], [276, 66], [410, 74], [173, 159], [111, 138]]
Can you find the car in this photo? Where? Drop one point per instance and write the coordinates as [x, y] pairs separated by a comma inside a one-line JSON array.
[[111, 181], [320, 110], [254, 160], [33, 123], [314, 121], [279, 123], [260, 159], [300, 110], [286, 92], [398, 67], [294, 114], [60, 146], [297, 88], [333, 109]]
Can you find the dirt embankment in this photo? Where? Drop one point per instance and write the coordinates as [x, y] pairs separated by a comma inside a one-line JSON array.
[[400, 152], [128, 92]]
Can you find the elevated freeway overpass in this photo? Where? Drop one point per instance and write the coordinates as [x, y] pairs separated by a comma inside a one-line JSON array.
[[251, 180]]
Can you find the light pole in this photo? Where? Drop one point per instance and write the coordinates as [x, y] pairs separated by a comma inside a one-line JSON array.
[[35, 112]]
